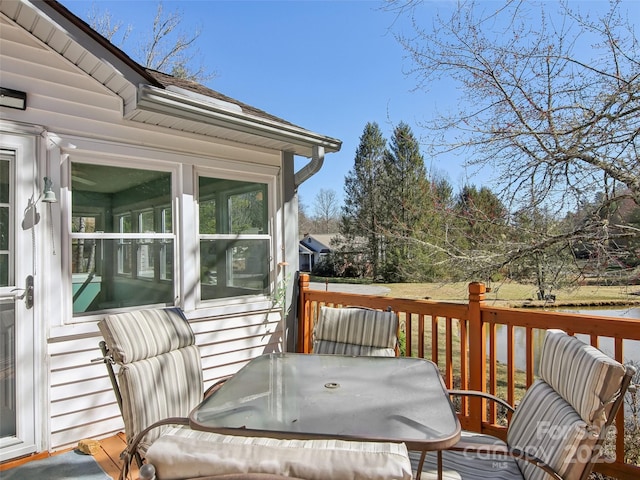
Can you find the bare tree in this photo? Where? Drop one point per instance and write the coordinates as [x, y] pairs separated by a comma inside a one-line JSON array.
[[103, 23], [305, 224], [326, 210], [166, 48], [550, 102]]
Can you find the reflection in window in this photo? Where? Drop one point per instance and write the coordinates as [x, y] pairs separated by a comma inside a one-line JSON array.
[[122, 243], [6, 216], [234, 238]]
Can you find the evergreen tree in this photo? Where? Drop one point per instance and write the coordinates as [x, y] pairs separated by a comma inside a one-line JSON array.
[[405, 192], [361, 212], [481, 219]]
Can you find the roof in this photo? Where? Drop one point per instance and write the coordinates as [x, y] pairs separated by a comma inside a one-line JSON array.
[[315, 244], [168, 81], [156, 98]]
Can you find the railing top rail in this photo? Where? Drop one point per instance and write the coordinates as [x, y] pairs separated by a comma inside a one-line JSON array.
[[627, 328], [429, 307]]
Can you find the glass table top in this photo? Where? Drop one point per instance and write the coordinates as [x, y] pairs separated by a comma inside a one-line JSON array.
[[305, 396]]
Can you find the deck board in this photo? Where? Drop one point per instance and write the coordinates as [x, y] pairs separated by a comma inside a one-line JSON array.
[[108, 457]]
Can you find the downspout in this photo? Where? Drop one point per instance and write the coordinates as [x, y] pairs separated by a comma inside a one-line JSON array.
[[311, 168]]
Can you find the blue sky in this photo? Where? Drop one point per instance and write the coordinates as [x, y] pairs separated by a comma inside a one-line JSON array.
[[328, 66]]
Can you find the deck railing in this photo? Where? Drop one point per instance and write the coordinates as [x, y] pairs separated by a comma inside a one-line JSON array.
[[485, 348]]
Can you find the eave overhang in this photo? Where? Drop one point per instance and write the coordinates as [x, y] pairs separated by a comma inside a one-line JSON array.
[[229, 122]]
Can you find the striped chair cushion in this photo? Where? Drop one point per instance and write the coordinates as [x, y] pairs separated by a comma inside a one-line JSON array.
[[547, 426], [339, 328], [466, 465], [168, 385], [185, 453], [584, 376], [141, 334]]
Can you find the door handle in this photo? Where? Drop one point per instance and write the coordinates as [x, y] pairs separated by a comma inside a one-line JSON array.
[[27, 292]]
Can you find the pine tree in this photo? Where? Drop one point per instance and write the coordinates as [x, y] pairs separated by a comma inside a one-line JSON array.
[[362, 206], [405, 194]]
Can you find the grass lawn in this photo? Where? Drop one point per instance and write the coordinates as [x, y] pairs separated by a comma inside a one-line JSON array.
[[519, 295]]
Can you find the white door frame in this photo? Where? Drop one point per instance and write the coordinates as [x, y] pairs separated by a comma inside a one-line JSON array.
[[22, 149]]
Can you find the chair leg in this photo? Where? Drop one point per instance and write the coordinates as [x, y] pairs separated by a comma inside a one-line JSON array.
[[423, 455]]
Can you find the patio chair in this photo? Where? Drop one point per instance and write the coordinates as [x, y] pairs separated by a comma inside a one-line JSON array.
[[355, 331], [159, 381], [559, 426]]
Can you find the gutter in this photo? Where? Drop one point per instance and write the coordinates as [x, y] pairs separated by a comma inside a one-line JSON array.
[[214, 113], [311, 168]]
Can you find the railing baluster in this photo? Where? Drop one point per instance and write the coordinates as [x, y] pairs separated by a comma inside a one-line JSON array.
[[421, 334], [464, 376], [511, 368], [529, 355], [448, 376], [493, 360], [619, 356], [408, 333], [434, 339]]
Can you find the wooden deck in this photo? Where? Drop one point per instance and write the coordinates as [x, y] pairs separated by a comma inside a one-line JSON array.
[[108, 457]]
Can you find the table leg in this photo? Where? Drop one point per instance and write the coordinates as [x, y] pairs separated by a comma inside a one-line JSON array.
[[439, 464]]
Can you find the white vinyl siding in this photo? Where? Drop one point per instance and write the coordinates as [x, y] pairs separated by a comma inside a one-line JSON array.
[[77, 119]]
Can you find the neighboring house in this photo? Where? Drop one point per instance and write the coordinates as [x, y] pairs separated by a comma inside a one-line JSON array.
[[312, 250], [168, 193]]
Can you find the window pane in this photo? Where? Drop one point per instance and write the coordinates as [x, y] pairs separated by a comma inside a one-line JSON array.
[[5, 217], [121, 272], [145, 222], [248, 211], [230, 206], [4, 269], [96, 287], [124, 223], [167, 221], [5, 231], [208, 222], [105, 193], [145, 259], [232, 268], [5, 191], [86, 224]]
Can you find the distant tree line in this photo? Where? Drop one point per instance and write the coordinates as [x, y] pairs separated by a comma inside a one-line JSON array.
[[401, 224], [549, 102]]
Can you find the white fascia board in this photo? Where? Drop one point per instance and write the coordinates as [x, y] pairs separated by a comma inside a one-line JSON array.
[[175, 104]]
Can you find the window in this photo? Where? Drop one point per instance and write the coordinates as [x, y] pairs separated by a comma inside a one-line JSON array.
[[122, 240], [235, 243], [6, 217]]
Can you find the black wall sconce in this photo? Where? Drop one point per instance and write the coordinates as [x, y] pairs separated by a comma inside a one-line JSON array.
[[13, 98]]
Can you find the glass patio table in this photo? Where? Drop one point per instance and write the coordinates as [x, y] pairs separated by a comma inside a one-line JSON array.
[[290, 395]]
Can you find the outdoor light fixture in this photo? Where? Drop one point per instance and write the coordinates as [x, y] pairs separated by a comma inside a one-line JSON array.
[[48, 196], [13, 98]]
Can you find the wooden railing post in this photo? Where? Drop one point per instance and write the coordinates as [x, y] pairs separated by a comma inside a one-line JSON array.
[[477, 355], [304, 315]]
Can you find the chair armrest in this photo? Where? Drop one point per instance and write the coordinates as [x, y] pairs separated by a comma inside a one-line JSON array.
[[215, 387], [507, 451], [128, 453], [488, 396]]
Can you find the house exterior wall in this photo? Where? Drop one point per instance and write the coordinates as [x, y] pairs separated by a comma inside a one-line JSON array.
[[76, 117]]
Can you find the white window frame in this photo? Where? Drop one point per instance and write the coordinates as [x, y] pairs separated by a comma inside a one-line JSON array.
[[262, 175], [119, 156], [185, 170]]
